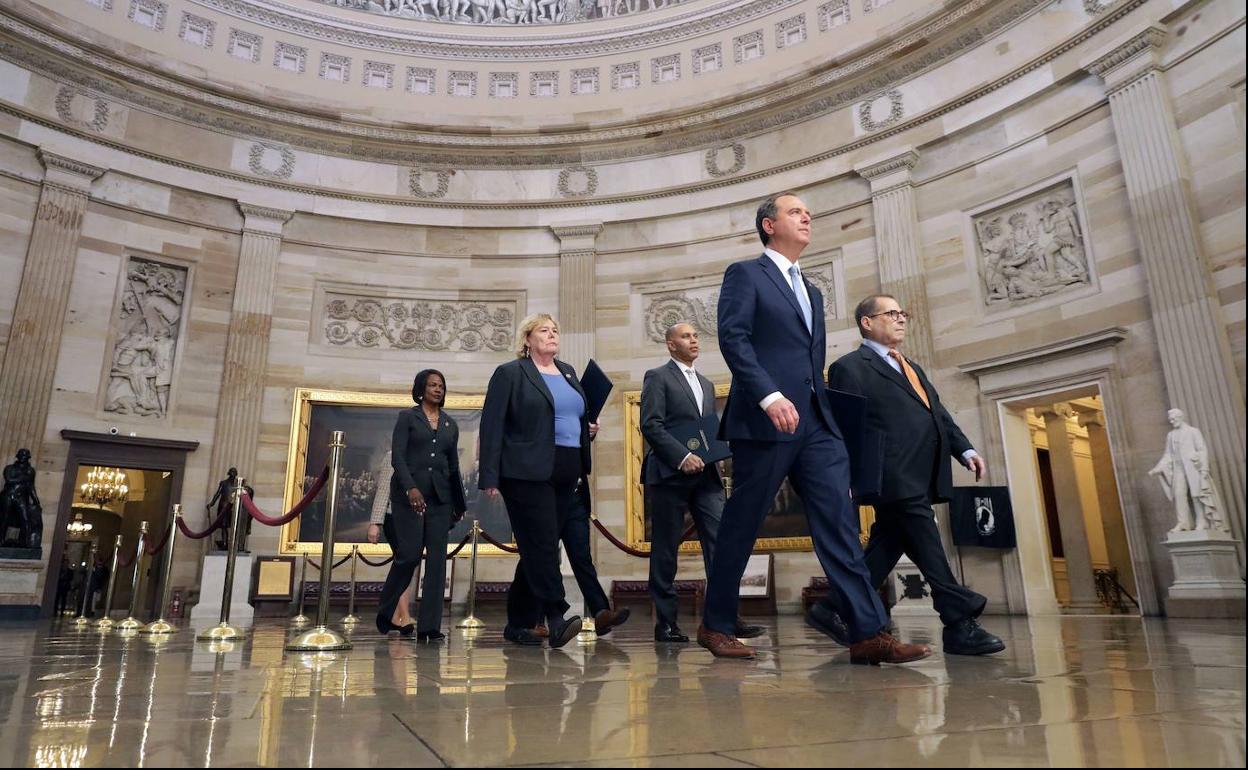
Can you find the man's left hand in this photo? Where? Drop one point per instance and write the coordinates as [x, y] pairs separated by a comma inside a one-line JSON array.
[[976, 463]]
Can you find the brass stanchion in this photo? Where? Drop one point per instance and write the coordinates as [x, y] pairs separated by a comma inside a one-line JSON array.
[[471, 621], [322, 638], [82, 621], [588, 634], [223, 631], [131, 623], [105, 622], [351, 619], [301, 620], [160, 625]]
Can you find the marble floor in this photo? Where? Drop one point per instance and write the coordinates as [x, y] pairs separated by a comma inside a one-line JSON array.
[[1069, 691]]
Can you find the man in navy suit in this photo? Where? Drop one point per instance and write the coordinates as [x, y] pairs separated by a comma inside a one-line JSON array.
[[779, 424]]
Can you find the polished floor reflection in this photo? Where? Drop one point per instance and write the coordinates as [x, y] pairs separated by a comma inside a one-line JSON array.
[[1069, 691]]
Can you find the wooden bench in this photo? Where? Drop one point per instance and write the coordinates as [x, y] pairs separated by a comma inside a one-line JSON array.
[[632, 591], [492, 590], [817, 588]]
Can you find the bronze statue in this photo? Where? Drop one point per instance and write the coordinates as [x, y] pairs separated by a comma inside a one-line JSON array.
[[20, 509], [223, 499]]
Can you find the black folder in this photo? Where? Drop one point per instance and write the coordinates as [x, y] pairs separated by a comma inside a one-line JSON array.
[[698, 436], [597, 388]]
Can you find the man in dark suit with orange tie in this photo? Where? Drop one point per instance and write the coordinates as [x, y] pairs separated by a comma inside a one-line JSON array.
[[901, 466], [779, 425]]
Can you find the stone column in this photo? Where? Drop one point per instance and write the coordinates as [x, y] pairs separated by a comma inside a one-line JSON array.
[[577, 256], [1070, 507], [1191, 330], [1107, 498], [237, 432], [897, 245], [42, 300]]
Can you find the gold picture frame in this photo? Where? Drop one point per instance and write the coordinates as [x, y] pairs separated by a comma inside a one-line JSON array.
[[304, 408], [634, 505]]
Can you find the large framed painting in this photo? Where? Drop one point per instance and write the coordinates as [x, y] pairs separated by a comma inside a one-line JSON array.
[[367, 419]]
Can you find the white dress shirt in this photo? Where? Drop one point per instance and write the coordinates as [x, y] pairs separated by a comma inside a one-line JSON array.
[[883, 351], [784, 263], [691, 377]]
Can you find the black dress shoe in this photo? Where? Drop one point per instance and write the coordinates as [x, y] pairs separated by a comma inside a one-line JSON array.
[[430, 636], [826, 620], [521, 636], [749, 630], [671, 634], [967, 637], [563, 631], [385, 626]]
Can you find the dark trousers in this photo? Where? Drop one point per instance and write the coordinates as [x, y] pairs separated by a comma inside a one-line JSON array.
[[410, 535], [704, 499], [909, 527], [817, 465], [574, 534], [539, 511]]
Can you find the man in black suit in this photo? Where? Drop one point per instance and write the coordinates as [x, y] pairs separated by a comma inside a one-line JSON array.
[[779, 425], [900, 466], [676, 479]]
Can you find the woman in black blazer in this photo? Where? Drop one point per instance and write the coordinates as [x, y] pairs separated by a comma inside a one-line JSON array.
[[426, 500], [535, 438]]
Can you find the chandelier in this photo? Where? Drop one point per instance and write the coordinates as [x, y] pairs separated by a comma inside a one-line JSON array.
[[104, 486], [78, 527]]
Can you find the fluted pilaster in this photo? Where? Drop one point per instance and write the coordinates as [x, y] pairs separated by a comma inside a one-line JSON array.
[[247, 348], [897, 246], [42, 300], [577, 258], [1075, 549], [1191, 332]]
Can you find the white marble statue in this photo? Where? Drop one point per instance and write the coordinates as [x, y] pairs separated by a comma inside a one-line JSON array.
[[1184, 473]]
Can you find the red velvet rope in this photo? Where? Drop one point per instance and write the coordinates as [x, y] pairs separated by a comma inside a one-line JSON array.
[[278, 521], [154, 548], [218, 524], [390, 558], [335, 566], [502, 546], [124, 563], [625, 547]]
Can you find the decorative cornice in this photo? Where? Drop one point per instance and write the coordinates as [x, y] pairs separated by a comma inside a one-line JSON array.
[[590, 230], [906, 161], [264, 220], [704, 127], [69, 168], [1150, 40], [1047, 352]]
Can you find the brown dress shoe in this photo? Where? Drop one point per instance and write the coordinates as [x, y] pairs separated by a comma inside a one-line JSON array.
[[723, 645], [608, 619], [540, 631], [884, 648]]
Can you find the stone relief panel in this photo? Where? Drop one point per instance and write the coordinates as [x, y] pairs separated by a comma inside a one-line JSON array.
[[577, 181], [881, 111], [696, 301], [1031, 247], [244, 45], [149, 324], [513, 12], [271, 160], [833, 14], [148, 13], [469, 322], [429, 183], [81, 109], [725, 160]]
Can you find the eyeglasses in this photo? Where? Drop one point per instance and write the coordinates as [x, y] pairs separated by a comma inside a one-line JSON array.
[[893, 315]]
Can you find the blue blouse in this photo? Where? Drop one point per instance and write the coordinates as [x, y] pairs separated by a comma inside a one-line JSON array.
[[569, 408]]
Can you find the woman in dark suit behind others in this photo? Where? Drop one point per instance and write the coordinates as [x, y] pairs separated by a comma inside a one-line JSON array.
[[535, 451], [426, 500]]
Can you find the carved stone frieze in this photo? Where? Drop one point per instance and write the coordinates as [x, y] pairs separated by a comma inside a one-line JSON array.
[[436, 325], [65, 98], [1031, 247], [711, 160], [698, 303], [868, 110], [577, 181], [149, 322], [503, 12], [418, 189], [260, 160]]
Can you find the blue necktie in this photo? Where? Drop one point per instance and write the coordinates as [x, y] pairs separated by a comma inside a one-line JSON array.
[[802, 299]]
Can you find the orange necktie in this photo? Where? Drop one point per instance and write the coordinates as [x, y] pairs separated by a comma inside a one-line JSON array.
[[911, 377]]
